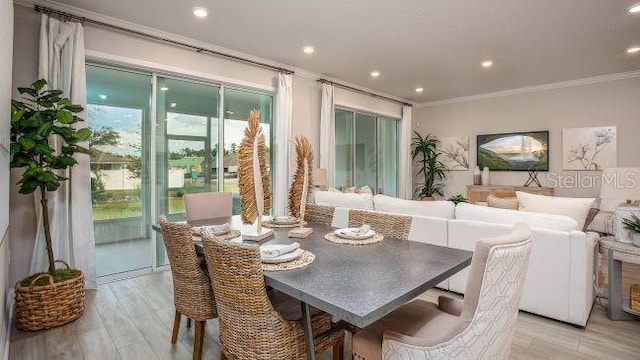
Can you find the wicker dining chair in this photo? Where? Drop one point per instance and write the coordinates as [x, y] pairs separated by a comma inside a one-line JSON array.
[[250, 326], [319, 214], [193, 295], [391, 225], [208, 205]]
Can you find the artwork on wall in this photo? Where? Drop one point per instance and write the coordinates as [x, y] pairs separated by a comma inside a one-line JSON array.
[[593, 148], [455, 152], [522, 151]]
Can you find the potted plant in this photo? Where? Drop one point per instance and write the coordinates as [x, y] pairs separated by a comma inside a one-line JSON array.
[[633, 225], [53, 298], [459, 198], [426, 153]]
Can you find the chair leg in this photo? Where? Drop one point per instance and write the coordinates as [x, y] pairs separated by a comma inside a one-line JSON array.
[[338, 351], [188, 323], [198, 340], [176, 327]]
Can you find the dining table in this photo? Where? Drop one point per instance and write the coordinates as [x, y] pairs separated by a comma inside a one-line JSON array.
[[358, 284]]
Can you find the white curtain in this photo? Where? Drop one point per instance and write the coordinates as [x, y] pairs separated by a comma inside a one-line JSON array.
[[327, 134], [405, 186], [61, 63], [284, 115]]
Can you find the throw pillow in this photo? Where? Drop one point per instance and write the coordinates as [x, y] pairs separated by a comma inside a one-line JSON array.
[[575, 208], [603, 223], [366, 190], [592, 214], [502, 202], [351, 190], [332, 189]]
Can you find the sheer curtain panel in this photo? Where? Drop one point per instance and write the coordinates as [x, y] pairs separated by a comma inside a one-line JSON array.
[[405, 186], [284, 114], [327, 133], [61, 63]]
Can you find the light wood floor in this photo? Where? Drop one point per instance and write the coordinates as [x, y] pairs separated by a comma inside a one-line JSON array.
[[132, 319]]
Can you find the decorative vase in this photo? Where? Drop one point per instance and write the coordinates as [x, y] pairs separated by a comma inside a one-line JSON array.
[[477, 176], [485, 176], [635, 239], [428, 198]]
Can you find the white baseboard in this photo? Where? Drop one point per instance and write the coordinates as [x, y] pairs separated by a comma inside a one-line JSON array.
[[8, 325]]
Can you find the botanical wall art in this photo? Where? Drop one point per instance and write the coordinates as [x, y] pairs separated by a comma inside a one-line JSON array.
[[455, 152], [593, 148]]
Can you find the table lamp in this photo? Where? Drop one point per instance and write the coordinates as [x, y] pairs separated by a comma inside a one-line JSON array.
[[320, 178], [623, 185]]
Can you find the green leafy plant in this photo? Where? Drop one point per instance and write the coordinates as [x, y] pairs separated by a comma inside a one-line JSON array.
[[43, 116], [632, 224], [424, 150], [459, 198]]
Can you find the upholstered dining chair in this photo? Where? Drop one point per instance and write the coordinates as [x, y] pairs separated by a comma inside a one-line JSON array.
[[479, 327], [208, 205], [253, 326], [193, 295], [391, 225]]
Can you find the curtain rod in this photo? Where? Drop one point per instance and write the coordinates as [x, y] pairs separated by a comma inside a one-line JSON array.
[[69, 16], [347, 87]]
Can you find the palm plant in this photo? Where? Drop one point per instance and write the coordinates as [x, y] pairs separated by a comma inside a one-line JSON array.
[[424, 150], [632, 224]]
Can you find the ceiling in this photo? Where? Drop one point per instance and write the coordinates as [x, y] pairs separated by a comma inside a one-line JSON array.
[[434, 44]]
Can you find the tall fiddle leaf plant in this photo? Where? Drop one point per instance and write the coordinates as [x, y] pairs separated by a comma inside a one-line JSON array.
[[424, 151], [39, 117]]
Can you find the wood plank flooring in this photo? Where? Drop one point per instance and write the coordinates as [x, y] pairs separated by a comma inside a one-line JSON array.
[[132, 319]]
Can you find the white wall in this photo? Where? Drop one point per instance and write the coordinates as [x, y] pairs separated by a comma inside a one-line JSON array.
[[6, 53], [603, 104], [306, 99]]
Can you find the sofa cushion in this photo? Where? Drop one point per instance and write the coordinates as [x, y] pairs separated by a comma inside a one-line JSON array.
[[346, 200], [441, 209], [502, 203], [575, 208], [471, 212]]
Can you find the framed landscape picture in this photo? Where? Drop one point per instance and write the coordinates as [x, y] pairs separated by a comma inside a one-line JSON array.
[[521, 151]]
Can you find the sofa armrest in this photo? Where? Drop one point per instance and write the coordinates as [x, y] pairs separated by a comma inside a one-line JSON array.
[[582, 276]]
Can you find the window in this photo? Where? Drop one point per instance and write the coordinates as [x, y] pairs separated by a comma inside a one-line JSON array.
[[366, 151], [140, 171]]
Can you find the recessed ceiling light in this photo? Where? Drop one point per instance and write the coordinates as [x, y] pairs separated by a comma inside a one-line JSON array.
[[375, 74], [164, 88], [633, 50], [200, 12], [174, 105], [102, 96], [487, 64], [634, 9], [308, 49], [419, 89]]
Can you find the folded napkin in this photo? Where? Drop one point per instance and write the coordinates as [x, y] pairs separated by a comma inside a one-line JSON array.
[[273, 253], [212, 228], [364, 229]]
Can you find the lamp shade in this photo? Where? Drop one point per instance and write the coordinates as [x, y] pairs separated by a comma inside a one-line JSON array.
[[621, 184], [320, 178]]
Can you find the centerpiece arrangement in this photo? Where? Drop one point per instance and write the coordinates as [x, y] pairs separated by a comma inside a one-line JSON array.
[[44, 140], [302, 181], [253, 178]]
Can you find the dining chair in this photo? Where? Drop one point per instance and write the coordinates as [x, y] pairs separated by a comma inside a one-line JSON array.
[[480, 326], [252, 326], [208, 205], [390, 225], [319, 214], [193, 294]]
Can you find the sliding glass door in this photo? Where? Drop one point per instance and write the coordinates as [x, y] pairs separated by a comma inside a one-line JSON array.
[[366, 151], [156, 139]]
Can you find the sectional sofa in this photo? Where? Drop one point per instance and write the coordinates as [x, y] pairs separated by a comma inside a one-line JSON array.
[[559, 282]]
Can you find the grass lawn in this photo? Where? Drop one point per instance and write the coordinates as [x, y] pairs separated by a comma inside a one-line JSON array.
[[131, 206]]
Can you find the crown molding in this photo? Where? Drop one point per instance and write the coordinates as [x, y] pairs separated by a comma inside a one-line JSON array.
[[535, 88], [206, 45]]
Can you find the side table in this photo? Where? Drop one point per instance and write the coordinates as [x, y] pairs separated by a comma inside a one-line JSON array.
[[619, 306]]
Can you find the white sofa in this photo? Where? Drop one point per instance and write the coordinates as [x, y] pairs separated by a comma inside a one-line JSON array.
[[559, 283]]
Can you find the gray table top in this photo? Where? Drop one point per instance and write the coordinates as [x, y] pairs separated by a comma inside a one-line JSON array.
[[361, 283]]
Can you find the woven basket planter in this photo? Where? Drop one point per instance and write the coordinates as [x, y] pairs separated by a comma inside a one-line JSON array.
[[49, 306]]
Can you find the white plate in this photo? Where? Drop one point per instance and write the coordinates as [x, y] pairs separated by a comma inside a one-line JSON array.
[[282, 258], [284, 220], [354, 234]]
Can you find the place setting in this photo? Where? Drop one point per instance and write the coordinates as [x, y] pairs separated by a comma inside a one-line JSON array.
[[283, 222], [362, 235], [222, 232], [276, 257]]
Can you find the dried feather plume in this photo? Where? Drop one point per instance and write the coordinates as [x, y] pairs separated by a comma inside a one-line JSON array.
[[253, 179], [298, 193]]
